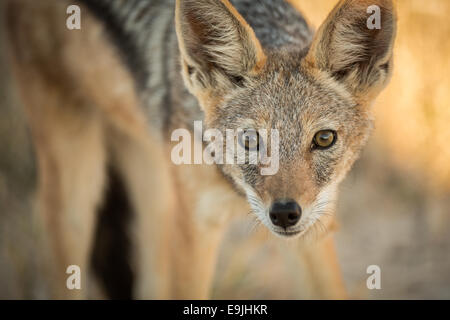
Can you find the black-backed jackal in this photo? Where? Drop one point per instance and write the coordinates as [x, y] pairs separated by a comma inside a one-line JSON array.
[[106, 98]]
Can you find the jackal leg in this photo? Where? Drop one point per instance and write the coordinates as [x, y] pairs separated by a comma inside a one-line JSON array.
[[195, 263], [207, 205], [140, 163], [67, 134], [68, 140], [323, 269]]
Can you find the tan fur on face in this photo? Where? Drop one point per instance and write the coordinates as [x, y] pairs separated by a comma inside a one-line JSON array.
[[283, 185]]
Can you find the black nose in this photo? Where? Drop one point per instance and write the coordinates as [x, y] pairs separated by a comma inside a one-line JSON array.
[[285, 213]]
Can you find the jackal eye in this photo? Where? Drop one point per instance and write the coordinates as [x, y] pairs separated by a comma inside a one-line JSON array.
[[249, 139], [324, 139]]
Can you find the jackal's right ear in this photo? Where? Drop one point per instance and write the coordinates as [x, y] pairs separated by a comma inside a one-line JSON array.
[[354, 45], [218, 48]]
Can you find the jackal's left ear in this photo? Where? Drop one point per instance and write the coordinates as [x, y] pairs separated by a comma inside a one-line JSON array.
[[218, 48], [354, 45]]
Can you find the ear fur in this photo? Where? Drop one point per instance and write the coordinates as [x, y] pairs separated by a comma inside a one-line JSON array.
[[218, 48], [348, 50]]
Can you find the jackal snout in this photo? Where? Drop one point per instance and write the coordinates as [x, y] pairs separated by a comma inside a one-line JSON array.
[[285, 213]]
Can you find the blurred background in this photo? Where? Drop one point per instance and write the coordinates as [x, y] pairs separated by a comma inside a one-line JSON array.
[[393, 209]]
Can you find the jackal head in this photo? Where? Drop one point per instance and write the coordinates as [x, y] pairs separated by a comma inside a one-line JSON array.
[[317, 97]]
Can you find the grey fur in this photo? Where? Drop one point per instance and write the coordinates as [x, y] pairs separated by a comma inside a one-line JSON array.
[[276, 23]]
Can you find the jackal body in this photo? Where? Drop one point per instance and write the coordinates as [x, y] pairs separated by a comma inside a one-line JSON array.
[[245, 64]]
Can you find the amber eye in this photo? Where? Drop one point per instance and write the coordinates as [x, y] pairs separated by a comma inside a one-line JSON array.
[[324, 139], [249, 139]]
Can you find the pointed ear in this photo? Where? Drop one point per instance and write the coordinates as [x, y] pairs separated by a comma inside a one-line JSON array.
[[218, 48], [354, 45]]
